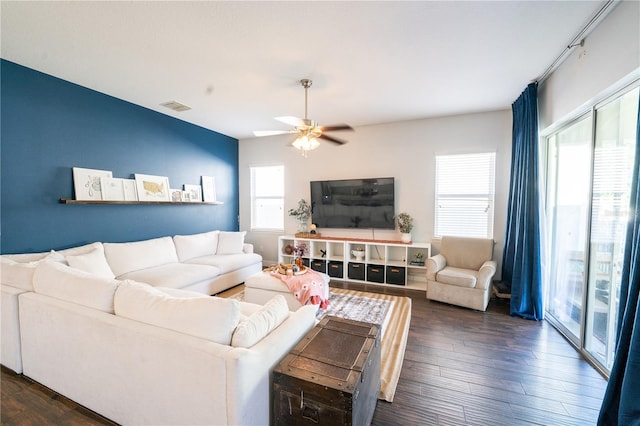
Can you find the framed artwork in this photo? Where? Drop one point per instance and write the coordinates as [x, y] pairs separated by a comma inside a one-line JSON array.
[[152, 188], [208, 189], [176, 195], [186, 196], [112, 189], [86, 183], [130, 191], [195, 192]]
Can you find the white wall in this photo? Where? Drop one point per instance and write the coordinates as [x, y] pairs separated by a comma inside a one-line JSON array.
[[404, 150], [609, 58]]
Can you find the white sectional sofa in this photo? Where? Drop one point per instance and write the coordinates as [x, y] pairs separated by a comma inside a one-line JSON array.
[[143, 354]]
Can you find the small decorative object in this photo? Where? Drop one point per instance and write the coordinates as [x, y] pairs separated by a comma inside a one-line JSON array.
[[288, 249], [152, 188], [419, 259], [358, 254], [302, 213], [195, 191], [208, 189], [313, 228], [300, 250], [405, 224], [86, 183], [323, 253]]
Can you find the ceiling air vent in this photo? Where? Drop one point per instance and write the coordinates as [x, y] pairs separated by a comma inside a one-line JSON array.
[[176, 106]]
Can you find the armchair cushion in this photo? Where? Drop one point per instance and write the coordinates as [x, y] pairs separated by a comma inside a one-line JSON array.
[[457, 276]]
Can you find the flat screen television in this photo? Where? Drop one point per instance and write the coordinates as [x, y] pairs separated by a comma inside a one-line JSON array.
[[353, 203]]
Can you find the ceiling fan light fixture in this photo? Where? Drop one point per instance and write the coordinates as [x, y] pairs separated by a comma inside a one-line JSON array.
[[305, 144]]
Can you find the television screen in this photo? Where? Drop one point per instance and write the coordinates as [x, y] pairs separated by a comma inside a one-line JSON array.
[[353, 203]]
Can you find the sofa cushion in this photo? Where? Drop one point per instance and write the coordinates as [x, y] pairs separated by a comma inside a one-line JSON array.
[[127, 257], [227, 262], [197, 245], [17, 270], [261, 323], [210, 318], [230, 242], [457, 276], [73, 285], [93, 262], [174, 275]]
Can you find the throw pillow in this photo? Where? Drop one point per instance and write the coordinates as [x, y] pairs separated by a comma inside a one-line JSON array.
[[197, 245], [73, 285], [230, 242], [93, 262], [261, 323], [210, 318]]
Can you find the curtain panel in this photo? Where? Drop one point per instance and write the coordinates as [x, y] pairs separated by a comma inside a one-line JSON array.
[[521, 265], [621, 403]]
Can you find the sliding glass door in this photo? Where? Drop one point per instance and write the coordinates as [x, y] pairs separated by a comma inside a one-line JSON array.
[[612, 171], [568, 208], [589, 170]]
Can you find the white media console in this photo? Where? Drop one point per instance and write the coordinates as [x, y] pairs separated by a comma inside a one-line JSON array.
[[383, 262]]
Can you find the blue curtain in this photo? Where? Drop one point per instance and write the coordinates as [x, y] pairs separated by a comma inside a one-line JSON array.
[[521, 263], [621, 403]]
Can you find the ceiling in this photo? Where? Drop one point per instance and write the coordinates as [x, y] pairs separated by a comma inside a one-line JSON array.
[[238, 64]]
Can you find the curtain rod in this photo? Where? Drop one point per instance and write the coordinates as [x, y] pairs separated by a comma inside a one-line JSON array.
[[578, 40]]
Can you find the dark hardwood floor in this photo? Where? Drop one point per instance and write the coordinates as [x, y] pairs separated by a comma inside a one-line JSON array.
[[461, 367]]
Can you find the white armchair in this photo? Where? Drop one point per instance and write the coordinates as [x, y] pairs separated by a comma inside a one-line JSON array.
[[461, 273]]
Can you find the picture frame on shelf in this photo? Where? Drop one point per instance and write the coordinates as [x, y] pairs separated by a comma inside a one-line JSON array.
[[130, 191], [112, 189], [176, 195], [195, 192], [87, 183], [186, 196], [152, 188], [208, 189]]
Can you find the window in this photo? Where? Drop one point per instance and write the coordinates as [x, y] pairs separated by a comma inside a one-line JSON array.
[[464, 195], [267, 198]]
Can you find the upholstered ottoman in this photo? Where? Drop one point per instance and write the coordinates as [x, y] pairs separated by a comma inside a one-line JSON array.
[[261, 287]]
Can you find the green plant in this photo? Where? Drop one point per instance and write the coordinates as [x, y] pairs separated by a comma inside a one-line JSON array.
[[303, 211], [419, 255], [405, 222]]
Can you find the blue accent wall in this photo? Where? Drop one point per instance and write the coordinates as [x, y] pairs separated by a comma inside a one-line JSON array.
[[49, 125]]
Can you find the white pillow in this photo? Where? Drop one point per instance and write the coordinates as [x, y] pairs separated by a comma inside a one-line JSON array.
[[93, 262], [261, 323], [210, 318], [230, 242], [197, 245], [20, 274], [73, 285]]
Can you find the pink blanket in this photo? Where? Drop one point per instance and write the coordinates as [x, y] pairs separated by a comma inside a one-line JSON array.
[[306, 288]]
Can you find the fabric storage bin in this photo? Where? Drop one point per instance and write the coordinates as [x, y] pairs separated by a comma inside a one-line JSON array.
[[356, 271], [396, 275], [335, 269], [319, 265], [375, 273]]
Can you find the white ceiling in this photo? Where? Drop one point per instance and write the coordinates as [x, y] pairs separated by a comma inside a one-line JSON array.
[[238, 64]]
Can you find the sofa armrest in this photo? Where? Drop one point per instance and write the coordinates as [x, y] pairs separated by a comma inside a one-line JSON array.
[[434, 265], [247, 248], [486, 272]]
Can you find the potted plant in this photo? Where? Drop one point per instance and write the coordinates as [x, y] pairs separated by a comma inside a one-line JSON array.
[[405, 224], [302, 213]]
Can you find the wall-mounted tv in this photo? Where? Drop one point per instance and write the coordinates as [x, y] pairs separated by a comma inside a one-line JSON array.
[[353, 203]]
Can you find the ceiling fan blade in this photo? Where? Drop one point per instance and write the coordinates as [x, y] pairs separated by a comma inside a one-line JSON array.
[[335, 127], [270, 132], [291, 121], [332, 139]]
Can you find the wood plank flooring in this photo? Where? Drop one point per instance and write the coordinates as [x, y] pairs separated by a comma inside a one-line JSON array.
[[461, 367]]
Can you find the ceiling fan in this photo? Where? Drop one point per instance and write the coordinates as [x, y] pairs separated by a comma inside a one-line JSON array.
[[308, 130]]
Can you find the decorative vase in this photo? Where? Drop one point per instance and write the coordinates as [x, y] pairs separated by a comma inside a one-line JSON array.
[[406, 237], [302, 226]]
